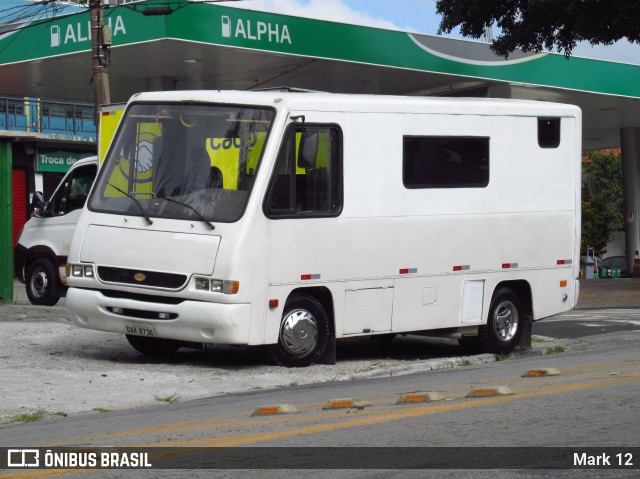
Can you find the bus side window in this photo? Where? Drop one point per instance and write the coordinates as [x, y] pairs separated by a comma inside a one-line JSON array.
[[308, 177]]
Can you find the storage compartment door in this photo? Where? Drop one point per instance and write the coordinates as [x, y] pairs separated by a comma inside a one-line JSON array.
[[472, 299], [368, 310]]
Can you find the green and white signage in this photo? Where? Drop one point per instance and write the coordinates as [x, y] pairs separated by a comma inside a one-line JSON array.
[[236, 28], [58, 161]]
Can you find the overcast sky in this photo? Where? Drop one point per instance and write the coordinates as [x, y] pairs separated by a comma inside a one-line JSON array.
[[417, 16]]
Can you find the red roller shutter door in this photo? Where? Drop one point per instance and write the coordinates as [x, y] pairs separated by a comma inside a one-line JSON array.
[[19, 202]]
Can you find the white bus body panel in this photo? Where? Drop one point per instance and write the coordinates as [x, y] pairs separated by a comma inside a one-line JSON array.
[[394, 260]]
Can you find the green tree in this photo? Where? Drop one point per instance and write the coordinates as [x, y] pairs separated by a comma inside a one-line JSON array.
[[536, 25], [602, 208]]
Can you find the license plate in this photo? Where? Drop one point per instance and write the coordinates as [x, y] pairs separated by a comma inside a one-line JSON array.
[[138, 329]]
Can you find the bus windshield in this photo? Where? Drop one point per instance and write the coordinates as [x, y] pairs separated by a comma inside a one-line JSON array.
[[183, 161]]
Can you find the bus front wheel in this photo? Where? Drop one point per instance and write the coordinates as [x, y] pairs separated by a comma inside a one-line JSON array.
[[304, 332]]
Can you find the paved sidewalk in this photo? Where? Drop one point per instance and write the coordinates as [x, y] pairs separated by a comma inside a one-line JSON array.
[[19, 293], [609, 293]]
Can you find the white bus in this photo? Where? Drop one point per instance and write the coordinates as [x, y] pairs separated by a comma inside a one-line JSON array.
[[297, 219]]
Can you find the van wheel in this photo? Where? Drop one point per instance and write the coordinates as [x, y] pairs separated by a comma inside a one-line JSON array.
[[504, 326], [41, 280], [155, 347], [304, 332]]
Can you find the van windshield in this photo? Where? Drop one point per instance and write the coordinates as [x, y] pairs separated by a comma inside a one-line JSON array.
[[183, 161]]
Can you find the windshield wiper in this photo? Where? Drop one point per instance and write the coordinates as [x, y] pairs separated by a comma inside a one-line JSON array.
[[198, 214], [135, 200]]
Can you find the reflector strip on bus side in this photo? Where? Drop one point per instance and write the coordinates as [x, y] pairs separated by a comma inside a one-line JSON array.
[[306, 277], [408, 270], [509, 265]]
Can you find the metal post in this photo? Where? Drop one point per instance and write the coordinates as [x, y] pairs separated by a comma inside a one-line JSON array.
[[630, 142], [100, 77], [6, 224], [39, 116]]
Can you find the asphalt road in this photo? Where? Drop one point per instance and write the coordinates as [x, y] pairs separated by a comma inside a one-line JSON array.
[[592, 404], [583, 323]]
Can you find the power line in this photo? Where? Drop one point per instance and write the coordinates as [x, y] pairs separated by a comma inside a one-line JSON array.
[[33, 14], [19, 16], [31, 11]]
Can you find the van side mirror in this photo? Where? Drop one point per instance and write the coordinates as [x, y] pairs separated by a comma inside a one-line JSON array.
[[37, 203], [308, 149]]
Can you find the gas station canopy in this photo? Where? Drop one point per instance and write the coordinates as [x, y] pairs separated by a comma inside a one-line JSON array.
[[208, 46]]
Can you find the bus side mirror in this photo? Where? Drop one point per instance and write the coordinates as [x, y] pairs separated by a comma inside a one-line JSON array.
[[37, 203], [308, 150]]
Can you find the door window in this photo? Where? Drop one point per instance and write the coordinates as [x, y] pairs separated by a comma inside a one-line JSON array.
[[72, 194], [308, 177]]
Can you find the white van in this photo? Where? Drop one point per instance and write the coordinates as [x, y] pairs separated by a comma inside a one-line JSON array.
[[295, 219], [40, 255]]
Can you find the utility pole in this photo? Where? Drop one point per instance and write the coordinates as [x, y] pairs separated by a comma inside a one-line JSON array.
[[100, 43]]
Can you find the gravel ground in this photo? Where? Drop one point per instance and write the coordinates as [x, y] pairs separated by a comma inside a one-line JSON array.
[[48, 364]]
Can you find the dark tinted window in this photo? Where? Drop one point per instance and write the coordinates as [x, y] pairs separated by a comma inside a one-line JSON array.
[[549, 132], [308, 177], [445, 162]]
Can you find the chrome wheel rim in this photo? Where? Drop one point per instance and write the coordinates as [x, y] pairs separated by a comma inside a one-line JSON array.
[[299, 332], [39, 283], [505, 321]]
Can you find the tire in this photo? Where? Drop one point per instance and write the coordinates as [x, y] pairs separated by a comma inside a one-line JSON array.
[[303, 334], [42, 283], [155, 347], [504, 325]]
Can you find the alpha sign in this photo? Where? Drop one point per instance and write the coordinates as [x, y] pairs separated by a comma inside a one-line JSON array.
[[80, 31], [252, 30]]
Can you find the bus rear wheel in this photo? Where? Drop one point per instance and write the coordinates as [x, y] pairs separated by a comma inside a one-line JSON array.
[[504, 325], [303, 334]]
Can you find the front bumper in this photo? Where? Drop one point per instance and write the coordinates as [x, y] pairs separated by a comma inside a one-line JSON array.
[[195, 321]]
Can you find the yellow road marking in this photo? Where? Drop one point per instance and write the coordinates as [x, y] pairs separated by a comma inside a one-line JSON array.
[[242, 419], [383, 416], [374, 417]]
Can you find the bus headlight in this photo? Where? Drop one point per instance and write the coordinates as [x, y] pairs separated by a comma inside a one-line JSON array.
[[223, 286], [81, 270]]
